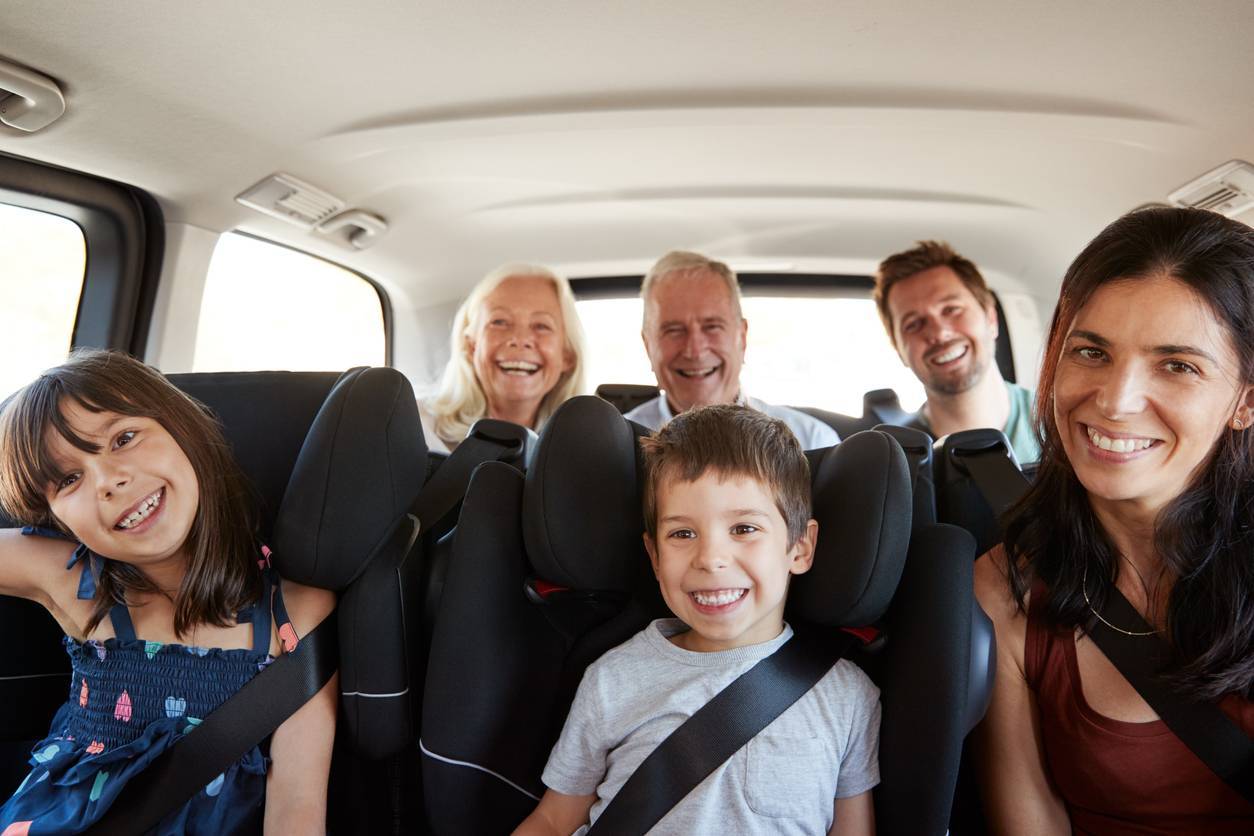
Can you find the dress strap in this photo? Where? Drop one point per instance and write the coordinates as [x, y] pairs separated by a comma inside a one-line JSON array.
[[260, 615], [119, 615], [270, 607], [274, 593]]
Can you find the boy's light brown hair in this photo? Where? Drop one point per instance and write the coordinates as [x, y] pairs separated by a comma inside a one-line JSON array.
[[731, 441], [924, 256]]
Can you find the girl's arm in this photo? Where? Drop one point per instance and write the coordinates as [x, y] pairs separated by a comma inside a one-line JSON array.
[[34, 567], [1019, 797], [300, 751], [557, 815], [854, 816]]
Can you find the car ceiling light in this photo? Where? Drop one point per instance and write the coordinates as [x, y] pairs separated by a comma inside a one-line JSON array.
[[295, 201], [1228, 190], [28, 101]]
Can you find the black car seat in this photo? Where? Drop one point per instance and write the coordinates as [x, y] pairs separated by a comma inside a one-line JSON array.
[[549, 571], [336, 462], [627, 396]]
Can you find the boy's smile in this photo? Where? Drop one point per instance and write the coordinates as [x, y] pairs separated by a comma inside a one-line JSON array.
[[723, 561]]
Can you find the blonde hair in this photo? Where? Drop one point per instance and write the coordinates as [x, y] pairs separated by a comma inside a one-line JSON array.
[[460, 401], [688, 263]]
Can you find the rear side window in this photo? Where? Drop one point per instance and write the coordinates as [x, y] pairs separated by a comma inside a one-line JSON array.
[[268, 307], [45, 256], [817, 351]]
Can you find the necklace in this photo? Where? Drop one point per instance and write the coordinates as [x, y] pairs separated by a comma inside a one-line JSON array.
[[1084, 587]]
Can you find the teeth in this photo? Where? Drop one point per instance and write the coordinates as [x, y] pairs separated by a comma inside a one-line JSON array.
[[517, 368], [951, 355], [1118, 445], [696, 372], [718, 597], [141, 513]]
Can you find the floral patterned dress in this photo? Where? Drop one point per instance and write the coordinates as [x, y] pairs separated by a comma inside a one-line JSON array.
[[130, 700]]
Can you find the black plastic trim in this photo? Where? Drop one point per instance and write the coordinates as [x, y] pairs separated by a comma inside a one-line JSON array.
[[116, 221]]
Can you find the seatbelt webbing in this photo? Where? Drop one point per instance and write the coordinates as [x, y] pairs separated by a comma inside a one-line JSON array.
[[1201, 726], [447, 486], [718, 729], [226, 735], [996, 477]]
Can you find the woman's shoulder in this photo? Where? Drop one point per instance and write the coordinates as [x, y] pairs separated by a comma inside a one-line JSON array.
[[996, 597]]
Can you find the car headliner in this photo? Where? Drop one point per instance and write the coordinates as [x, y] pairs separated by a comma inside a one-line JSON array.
[[593, 137]]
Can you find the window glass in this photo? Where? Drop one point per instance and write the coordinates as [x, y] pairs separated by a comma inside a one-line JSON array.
[[822, 351], [268, 307], [44, 259]]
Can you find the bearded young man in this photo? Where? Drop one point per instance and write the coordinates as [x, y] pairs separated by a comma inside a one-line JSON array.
[[941, 318]]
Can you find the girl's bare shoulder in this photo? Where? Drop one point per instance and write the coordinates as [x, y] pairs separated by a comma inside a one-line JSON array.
[[306, 605]]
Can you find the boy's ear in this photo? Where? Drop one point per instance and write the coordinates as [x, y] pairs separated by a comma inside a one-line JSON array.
[[650, 545], [802, 552]]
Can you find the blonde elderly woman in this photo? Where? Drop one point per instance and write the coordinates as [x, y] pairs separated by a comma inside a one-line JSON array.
[[516, 354]]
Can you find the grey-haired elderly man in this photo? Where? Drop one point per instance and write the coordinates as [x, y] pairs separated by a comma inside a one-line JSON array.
[[695, 334]]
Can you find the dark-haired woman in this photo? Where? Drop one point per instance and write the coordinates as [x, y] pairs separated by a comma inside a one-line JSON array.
[[1145, 489]]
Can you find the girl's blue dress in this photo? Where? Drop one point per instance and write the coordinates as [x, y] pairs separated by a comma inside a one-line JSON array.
[[130, 700]]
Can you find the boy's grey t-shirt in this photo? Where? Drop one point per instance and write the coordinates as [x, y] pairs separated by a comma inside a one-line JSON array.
[[824, 747]]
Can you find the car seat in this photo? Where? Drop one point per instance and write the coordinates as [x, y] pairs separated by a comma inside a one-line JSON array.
[[548, 572], [336, 462]]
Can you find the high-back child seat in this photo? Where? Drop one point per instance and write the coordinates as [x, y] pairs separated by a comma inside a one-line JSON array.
[[549, 571], [337, 461]]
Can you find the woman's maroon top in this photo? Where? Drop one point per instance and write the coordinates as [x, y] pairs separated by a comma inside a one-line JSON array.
[[1118, 777]]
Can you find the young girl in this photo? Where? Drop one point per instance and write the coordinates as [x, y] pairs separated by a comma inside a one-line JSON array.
[[159, 591]]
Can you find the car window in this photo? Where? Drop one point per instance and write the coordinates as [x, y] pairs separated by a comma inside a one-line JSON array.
[[819, 351], [270, 307], [44, 261]]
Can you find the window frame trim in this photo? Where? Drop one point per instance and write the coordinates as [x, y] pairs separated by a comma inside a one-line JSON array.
[[123, 237]]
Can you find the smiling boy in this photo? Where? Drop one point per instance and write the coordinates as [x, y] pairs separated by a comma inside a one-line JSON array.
[[727, 519]]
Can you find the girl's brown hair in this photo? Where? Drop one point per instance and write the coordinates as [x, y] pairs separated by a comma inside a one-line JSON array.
[[221, 576]]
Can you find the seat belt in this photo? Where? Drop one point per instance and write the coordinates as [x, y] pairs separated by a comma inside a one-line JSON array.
[[719, 729], [1201, 726], [489, 440], [225, 735], [986, 457]]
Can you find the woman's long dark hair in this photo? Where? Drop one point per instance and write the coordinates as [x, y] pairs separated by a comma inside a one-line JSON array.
[[221, 576], [1203, 536]]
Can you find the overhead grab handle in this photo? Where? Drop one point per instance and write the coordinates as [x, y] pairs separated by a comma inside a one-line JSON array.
[[33, 101]]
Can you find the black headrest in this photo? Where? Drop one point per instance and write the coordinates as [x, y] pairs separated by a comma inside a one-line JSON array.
[[360, 469], [862, 501], [582, 522], [264, 416]]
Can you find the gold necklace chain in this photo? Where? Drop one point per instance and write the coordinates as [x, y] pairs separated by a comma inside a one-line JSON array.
[[1084, 587]]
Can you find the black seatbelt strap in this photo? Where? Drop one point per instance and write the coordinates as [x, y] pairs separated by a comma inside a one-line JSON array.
[[226, 735], [1201, 726], [718, 730], [488, 441], [996, 476]]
